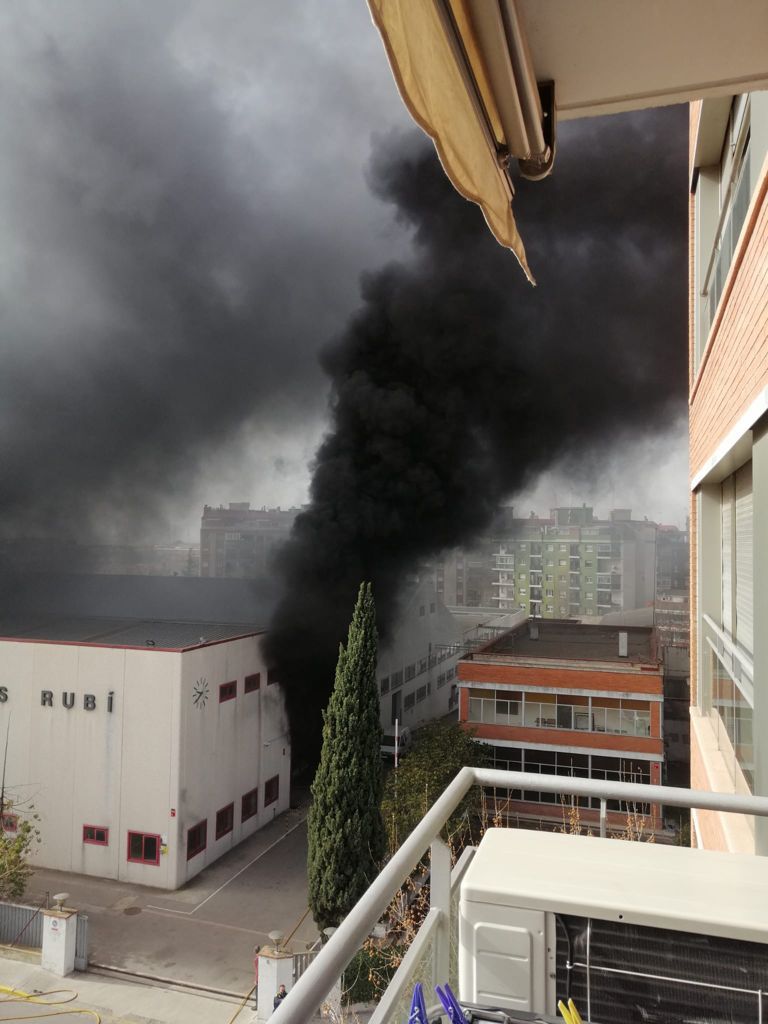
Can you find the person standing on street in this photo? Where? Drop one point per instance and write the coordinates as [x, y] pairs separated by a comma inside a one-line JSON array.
[[281, 994]]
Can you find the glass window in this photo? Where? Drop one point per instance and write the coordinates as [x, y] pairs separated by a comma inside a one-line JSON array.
[[197, 839], [252, 682], [249, 805], [143, 848], [271, 790], [227, 691], [734, 723], [96, 835], [225, 820]]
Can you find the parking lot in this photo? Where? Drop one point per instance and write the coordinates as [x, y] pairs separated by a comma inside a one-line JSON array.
[[203, 934]]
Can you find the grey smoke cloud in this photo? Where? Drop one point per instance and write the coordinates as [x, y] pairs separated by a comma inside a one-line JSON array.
[[455, 385], [184, 214]]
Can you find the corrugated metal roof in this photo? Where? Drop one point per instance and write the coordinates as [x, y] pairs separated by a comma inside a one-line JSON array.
[[114, 632]]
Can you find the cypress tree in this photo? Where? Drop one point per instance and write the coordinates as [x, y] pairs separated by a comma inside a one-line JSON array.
[[346, 833]]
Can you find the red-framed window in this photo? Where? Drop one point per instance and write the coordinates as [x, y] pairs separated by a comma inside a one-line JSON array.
[[143, 848], [253, 682], [271, 790], [227, 691], [249, 805], [96, 834], [197, 839], [225, 820], [272, 677], [10, 822]]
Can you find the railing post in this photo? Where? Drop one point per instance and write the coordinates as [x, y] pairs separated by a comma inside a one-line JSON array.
[[603, 817], [440, 898]]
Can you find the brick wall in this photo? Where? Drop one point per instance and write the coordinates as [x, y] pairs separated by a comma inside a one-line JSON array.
[[734, 367], [563, 678]]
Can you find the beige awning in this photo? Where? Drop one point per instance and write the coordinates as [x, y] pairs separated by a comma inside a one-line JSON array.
[[447, 83]]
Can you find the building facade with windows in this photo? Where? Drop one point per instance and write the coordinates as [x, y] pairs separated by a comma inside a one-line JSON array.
[[417, 668], [240, 541], [574, 565], [565, 698], [729, 460], [147, 748]]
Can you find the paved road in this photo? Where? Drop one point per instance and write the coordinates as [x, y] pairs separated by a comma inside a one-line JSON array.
[[205, 932]]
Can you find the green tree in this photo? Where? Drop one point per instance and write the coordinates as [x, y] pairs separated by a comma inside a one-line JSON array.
[[439, 751], [347, 840], [15, 848]]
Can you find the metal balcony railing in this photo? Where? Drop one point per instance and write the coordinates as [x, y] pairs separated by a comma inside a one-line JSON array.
[[433, 943]]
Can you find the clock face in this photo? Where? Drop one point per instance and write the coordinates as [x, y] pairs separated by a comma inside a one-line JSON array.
[[200, 693]]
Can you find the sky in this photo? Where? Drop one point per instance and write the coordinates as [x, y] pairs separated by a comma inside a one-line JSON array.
[[188, 200]]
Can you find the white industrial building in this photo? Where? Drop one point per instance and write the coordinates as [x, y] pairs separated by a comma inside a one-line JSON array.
[[147, 748]]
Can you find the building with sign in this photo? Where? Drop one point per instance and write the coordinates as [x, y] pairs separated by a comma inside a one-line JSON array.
[[148, 748]]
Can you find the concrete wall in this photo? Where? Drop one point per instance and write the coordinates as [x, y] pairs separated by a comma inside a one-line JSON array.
[[228, 748]]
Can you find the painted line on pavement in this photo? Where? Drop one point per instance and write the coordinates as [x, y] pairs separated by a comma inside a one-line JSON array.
[[188, 913]]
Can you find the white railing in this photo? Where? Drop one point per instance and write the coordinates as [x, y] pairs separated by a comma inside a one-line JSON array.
[[315, 984]]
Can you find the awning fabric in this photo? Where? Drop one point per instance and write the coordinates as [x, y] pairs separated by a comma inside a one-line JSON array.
[[436, 93]]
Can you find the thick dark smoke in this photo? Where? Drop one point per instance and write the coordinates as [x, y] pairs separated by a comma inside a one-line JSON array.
[[178, 233], [456, 383]]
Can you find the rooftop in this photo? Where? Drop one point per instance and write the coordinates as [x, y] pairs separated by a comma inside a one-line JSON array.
[[567, 640], [161, 634]]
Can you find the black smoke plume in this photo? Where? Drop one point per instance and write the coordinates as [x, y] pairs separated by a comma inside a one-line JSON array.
[[166, 271], [456, 383]]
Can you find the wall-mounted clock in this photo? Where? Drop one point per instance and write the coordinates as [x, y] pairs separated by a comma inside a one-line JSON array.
[[200, 693]]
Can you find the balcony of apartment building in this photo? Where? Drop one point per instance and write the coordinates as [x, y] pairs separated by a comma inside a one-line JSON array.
[[629, 930], [728, 444]]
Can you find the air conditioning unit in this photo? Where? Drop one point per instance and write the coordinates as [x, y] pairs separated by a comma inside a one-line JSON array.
[[630, 931]]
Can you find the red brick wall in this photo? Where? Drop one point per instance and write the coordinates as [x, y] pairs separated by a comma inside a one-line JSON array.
[[562, 678], [597, 741], [734, 367]]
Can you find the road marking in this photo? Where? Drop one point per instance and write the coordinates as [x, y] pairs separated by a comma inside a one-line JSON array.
[[188, 913]]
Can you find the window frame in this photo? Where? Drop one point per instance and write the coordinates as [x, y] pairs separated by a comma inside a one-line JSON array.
[[268, 798], [203, 824], [252, 814], [144, 837], [229, 822], [227, 691], [95, 841], [249, 686]]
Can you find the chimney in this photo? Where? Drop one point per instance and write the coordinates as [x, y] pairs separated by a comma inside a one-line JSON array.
[[533, 630], [623, 644]]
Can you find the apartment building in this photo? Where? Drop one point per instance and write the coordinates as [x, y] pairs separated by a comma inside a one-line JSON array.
[[729, 459], [574, 565], [240, 541], [567, 698]]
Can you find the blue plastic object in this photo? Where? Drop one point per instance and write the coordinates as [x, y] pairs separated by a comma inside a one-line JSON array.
[[450, 1004], [418, 1014]]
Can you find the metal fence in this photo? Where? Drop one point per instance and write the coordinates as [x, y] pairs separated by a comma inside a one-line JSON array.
[[81, 943], [21, 926]]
